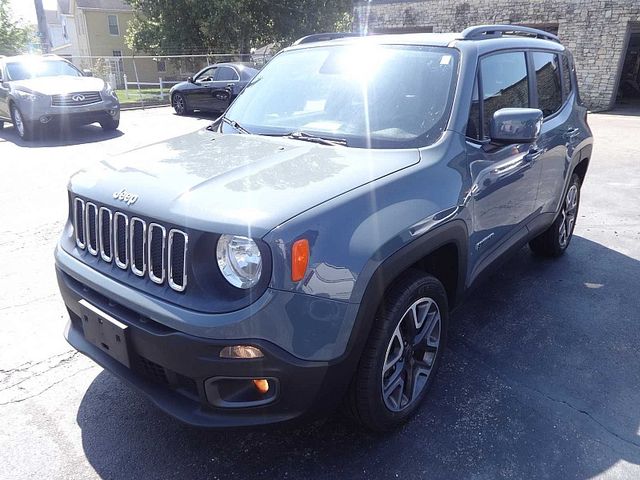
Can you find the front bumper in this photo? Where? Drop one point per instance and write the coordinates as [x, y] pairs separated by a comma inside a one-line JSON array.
[[175, 369], [35, 111]]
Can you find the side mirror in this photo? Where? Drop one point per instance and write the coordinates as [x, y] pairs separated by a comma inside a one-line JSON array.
[[516, 125], [190, 80], [87, 73]]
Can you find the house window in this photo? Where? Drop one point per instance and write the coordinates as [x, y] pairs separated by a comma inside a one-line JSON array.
[[113, 25]]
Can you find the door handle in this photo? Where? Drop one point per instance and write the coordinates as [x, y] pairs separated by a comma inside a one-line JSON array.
[[571, 133], [533, 155]]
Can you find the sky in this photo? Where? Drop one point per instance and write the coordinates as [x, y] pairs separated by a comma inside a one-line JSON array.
[[25, 9]]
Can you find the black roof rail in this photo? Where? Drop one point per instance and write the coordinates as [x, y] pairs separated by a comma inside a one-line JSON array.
[[480, 32], [323, 37]]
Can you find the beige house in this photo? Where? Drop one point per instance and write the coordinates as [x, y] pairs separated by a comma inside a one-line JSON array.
[[91, 33]]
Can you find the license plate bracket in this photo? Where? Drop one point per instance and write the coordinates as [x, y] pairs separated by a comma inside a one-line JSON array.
[[105, 332]]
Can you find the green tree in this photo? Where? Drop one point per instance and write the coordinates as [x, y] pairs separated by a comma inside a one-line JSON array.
[[194, 26], [14, 37]]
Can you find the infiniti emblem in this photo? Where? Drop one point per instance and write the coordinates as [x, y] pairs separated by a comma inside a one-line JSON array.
[[78, 98], [126, 197]]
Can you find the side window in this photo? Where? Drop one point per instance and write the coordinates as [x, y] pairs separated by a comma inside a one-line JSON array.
[[548, 82], [227, 73], [473, 125], [208, 75], [504, 84], [566, 77]]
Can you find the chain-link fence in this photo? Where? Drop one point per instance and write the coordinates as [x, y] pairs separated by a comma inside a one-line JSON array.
[[146, 79]]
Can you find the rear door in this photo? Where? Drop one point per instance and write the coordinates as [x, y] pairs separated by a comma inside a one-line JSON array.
[[505, 177], [225, 88], [559, 129]]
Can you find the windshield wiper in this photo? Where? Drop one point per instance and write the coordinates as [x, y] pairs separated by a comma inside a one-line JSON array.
[[235, 125], [307, 137]]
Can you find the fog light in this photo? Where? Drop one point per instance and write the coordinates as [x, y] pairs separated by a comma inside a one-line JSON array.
[[241, 351], [261, 385], [113, 112], [45, 119]]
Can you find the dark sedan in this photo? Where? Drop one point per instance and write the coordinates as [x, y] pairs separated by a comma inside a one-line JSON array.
[[212, 89]]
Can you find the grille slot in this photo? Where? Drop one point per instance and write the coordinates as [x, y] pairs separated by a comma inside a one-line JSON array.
[[78, 222], [156, 253], [91, 223], [121, 239], [76, 99], [130, 243], [177, 260], [138, 233], [105, 233]]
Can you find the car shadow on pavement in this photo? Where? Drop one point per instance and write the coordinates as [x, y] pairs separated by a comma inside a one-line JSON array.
[[59, 137], [540, 380]]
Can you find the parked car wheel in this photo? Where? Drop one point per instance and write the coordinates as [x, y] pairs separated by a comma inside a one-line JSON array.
[[402, 354], [24, 128], [110, 125], [180, 104], [555, 240]]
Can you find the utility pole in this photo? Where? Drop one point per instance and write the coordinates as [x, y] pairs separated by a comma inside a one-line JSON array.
[[43, 28]]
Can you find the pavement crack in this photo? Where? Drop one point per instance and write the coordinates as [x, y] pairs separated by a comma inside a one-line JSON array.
[[31, 370], [28, 397], [476, 356]]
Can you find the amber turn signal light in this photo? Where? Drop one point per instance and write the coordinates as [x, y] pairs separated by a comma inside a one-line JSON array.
[[261, 385], [299, 259]]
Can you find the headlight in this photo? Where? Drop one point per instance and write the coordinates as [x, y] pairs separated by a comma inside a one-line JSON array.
[[239, 260], [26, 96], [111, 92]]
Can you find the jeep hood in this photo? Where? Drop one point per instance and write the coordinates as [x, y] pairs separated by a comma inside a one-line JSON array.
[[59, 85], [234, 183]]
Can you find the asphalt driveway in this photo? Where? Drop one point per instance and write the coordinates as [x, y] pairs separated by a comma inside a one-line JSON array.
[[541, 378]]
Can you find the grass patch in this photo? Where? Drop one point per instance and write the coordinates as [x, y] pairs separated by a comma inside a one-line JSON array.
[[144, 94]]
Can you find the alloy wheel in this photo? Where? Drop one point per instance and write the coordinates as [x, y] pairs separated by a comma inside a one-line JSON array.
[[411, 354], [178, 104], [19, 123], [568, 215]]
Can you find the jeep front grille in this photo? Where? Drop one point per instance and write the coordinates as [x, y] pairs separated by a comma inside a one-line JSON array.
[[131, 243], [77, 99]]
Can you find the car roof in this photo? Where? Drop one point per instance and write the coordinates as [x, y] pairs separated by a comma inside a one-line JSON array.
[[485, 38]]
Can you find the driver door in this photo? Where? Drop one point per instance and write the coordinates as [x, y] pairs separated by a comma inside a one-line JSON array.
[[504, 178], [199, 97]]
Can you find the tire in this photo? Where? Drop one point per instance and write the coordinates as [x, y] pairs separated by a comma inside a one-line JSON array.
[[110, 125], [179, 104], [379, 396], [554, 241], [25, 129]]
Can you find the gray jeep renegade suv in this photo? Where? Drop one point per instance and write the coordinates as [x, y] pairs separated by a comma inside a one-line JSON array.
[[306, 249]]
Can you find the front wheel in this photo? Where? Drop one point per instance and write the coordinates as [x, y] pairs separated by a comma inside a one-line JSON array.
[[110, 125], [179, 103], [23, 127], [555, 240], [402, 354]]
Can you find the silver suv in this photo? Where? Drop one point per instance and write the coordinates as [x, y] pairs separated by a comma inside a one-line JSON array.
[[41, 90]]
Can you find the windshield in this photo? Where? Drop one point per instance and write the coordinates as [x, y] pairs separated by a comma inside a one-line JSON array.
[[41, 68], [372, 96]]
